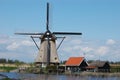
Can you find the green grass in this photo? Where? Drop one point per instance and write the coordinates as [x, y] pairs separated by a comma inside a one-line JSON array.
[[7, 69], [115, 68], [6, 79]]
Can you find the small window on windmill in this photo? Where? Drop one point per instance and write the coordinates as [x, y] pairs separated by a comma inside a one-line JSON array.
[[41, 50], [55, 58]]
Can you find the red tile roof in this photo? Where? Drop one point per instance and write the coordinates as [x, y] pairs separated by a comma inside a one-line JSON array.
[[74, 61]]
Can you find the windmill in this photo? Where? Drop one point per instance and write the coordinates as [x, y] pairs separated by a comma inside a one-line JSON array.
[[47, 51]]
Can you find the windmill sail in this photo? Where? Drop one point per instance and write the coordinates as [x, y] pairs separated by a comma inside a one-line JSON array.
[[29, 33], [47, 23], [67, 33]]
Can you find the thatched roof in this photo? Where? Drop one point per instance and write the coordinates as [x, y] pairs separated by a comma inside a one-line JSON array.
[[98, 63]]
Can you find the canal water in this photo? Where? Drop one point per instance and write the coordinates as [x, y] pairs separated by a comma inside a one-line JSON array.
[[55, 77]]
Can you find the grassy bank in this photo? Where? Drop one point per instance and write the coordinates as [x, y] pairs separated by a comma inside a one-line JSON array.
[[7, 69], [115, 68]]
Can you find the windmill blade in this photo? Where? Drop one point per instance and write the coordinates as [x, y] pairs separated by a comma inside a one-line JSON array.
[[47, 23], [36, 36], [67, 33], [29, 33]]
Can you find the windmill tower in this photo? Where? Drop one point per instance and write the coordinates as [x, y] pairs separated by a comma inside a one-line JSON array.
[[47, 51]]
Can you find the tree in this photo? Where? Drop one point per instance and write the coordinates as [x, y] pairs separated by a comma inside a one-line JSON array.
[[10, 61], [2, 60]]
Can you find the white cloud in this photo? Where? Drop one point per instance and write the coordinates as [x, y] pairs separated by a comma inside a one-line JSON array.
[[13, 46], [87, 49], [102, 50], [16, 44], [67, 49], [77, 47], [110, 42], [27, 43], [89, 56]]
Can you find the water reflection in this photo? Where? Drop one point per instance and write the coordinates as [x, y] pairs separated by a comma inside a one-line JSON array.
[[55, 77]]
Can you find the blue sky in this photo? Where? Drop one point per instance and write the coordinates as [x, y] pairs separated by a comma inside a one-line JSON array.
[[98, 20]]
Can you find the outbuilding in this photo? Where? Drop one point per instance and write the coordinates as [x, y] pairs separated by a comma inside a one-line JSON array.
[[76, 64], [99, 66]]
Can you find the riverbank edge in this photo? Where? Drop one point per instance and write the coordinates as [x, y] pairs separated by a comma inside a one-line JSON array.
[[98, 74]]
